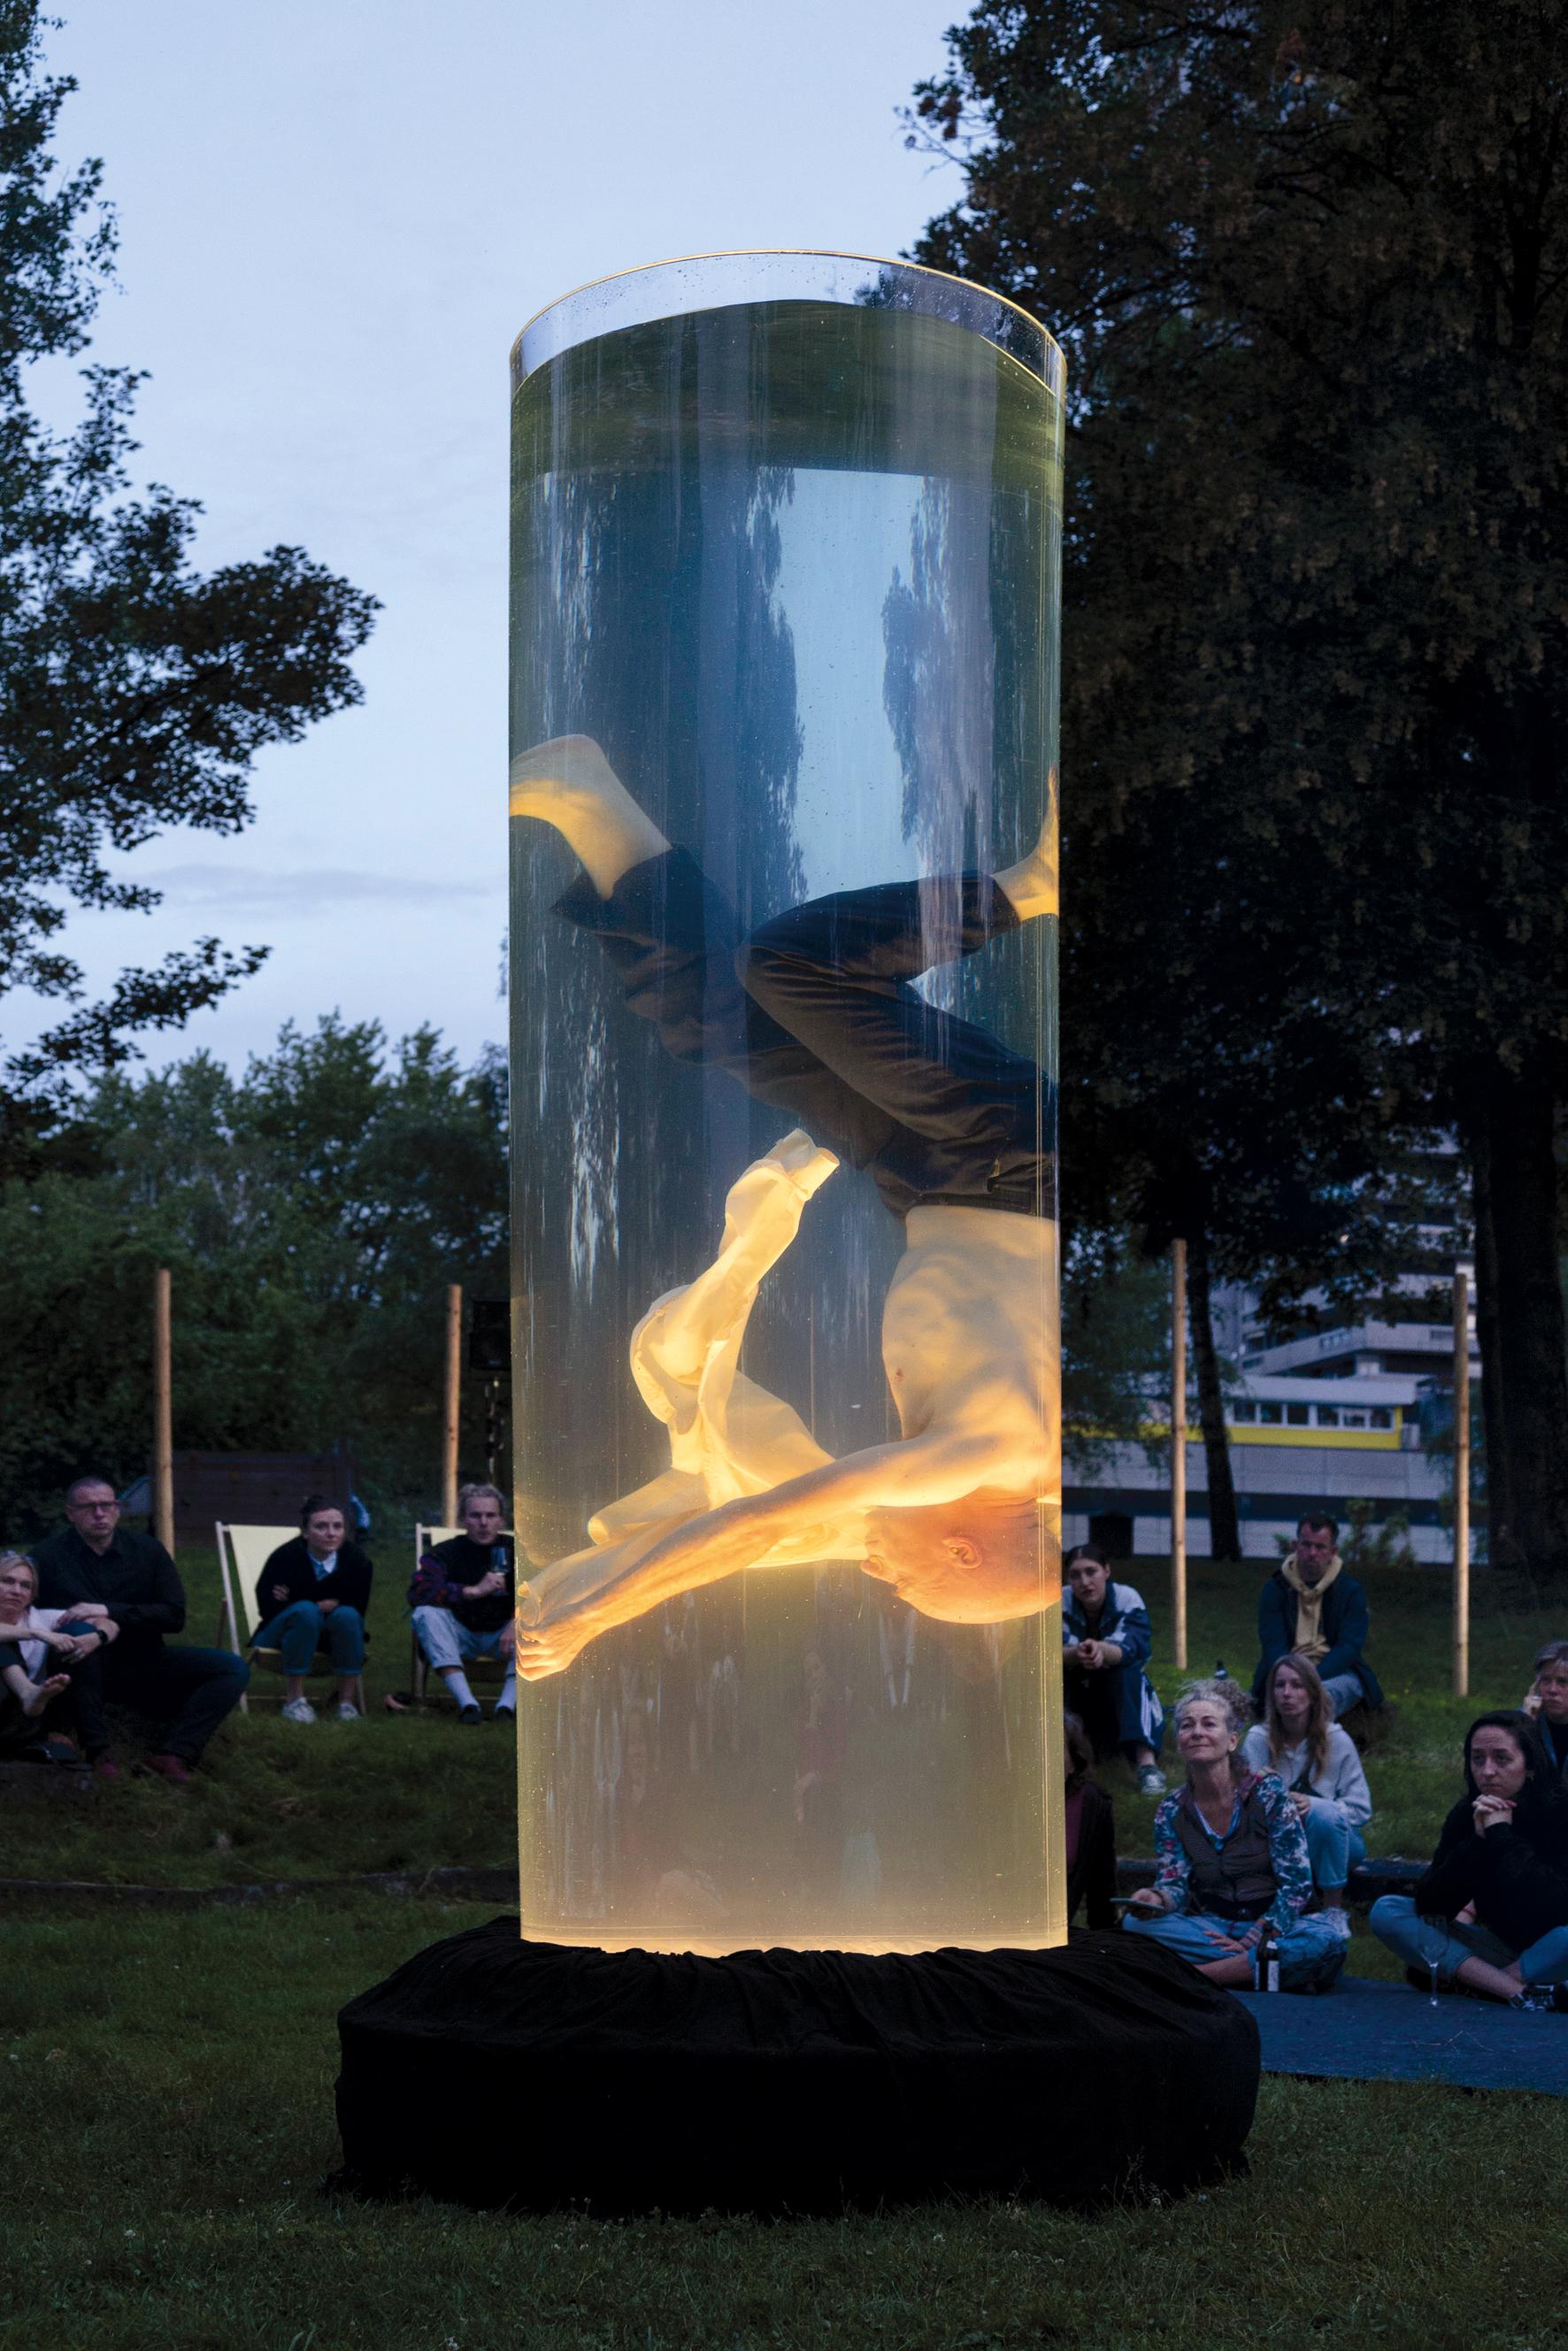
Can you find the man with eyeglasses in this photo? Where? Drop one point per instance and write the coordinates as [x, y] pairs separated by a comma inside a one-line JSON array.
[[126, 1587]]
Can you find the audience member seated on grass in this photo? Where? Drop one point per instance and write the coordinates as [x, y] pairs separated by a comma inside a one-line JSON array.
[[1105, 1644], [1498, 1879], [1091, 1832], [1299, 1739], [126, 1589], [1230, 1863], [1310, 1608], [312, 1594], [30, 1689], [463, 1597], [1547, 1704]]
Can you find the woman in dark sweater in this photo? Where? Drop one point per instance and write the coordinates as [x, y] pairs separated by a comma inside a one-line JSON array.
[[1091, 1832], [313, 1593], [1503, 1857]]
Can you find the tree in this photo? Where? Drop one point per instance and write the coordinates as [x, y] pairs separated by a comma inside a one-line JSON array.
[[1311, 262], [134, 692], [312, 1214]]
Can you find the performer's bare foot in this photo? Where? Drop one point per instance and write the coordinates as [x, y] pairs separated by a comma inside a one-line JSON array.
[[1031, 884], [570, 784]]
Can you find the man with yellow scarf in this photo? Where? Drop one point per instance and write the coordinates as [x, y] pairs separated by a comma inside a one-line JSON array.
[[1310, 1608]]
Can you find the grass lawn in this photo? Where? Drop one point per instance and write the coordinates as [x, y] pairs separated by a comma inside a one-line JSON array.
[[168, 2119], [168, 2106]]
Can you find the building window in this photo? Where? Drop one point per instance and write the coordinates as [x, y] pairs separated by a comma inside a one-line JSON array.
[[1269, 1413], [1299, 1414], [1328, 1415], [1243, 1412], [1380, 1416]]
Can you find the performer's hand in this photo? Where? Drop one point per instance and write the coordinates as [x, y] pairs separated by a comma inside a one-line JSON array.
[[546, 1649]]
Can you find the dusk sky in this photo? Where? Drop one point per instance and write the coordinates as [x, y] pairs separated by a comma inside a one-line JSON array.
[[335, 215]]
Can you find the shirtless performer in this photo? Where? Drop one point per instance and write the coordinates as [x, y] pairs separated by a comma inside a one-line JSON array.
[[815, 1013]]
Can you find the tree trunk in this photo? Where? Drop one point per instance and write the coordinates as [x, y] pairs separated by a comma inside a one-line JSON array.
[[1224, 1531], [1502, 1549], [1525, 1380]]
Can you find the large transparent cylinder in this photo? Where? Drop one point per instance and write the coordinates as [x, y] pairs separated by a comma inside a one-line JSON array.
[[785, 564]]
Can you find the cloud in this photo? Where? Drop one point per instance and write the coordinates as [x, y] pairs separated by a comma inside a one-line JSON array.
[[305, 891]]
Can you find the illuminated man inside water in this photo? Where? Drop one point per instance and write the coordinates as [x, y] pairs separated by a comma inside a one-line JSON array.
[[815, 1013]]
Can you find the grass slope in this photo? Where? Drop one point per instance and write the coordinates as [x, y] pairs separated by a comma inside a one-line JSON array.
[[279, 1800]]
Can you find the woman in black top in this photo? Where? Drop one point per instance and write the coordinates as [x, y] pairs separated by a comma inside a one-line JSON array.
[[1091, 1832], [313, 1593], [1503, 1849]]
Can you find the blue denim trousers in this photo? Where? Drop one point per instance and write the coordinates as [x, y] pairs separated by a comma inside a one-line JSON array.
[[1311, 1953], [300, 1629], [1394, 1921], [1333, 1847]]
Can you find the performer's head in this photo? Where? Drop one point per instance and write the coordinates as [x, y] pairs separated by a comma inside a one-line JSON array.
[[973, 1562]]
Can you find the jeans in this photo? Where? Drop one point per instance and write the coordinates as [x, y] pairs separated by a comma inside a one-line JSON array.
[[446, 1642], [1333, 1847], [300, 1629], [1394, 1921], [191, 1689], [1311, 1953], [816, 1014], [1345, 1691]]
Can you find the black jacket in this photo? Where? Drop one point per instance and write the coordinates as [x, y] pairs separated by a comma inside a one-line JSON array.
[[135, 1578], [290, 1563], [1516, 1877], [1092, 1876]]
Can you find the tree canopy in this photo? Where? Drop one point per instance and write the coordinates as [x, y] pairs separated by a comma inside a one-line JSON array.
[[1310, 266], [134, 690]]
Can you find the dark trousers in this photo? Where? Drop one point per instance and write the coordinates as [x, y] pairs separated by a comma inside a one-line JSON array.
[[79, 1708], [816, 1014], [191, 1689], [1110, 1706]]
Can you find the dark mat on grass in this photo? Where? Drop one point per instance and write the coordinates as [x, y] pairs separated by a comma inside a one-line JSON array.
[[1366, 2031], [500, 2073]]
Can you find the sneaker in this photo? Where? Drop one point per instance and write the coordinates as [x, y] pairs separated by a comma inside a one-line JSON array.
[[1332, 1916], [1538, 1997], [171, 1767], [1151, 1781], [503, 1714], [470, 1714], [347, 1710], [299, 1709]]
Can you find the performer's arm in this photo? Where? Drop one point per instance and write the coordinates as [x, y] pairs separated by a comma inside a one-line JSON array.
[[819, 1516]]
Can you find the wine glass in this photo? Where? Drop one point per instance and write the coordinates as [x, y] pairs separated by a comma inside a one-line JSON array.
[[1432, 1942]]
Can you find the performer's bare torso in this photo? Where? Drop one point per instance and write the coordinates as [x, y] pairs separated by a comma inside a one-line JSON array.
[[964, 1329]]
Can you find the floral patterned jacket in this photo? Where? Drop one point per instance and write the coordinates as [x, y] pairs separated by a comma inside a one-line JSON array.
[[1287, 1848]]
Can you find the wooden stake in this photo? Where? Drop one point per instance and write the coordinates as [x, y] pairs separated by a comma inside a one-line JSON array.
[[453, 1398], [1178, 1452], [163, 1414], [1461, 1485]]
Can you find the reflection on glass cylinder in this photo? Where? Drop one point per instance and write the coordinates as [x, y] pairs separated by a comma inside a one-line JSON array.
[[785, 559]]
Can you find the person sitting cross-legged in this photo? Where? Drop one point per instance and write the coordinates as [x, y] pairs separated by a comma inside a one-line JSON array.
[[1105, 1644], [463, 1597], [32, 1686], [1310, 1608], [312, 1594], [127, 1590], [1230, 1862], [1498, 1879]]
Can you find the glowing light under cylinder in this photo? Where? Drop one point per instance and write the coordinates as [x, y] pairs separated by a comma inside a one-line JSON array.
[[785, 564]]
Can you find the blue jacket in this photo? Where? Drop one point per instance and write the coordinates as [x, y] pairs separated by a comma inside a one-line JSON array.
[[1344, 1626], [1123, 1619]]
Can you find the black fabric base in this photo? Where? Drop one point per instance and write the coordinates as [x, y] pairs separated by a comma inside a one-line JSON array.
[[495, 2072]]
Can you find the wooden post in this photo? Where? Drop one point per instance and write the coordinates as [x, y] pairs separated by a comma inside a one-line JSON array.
[[1461, 1485], [453, 1398], [1178, 1452], [163, 1414]]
